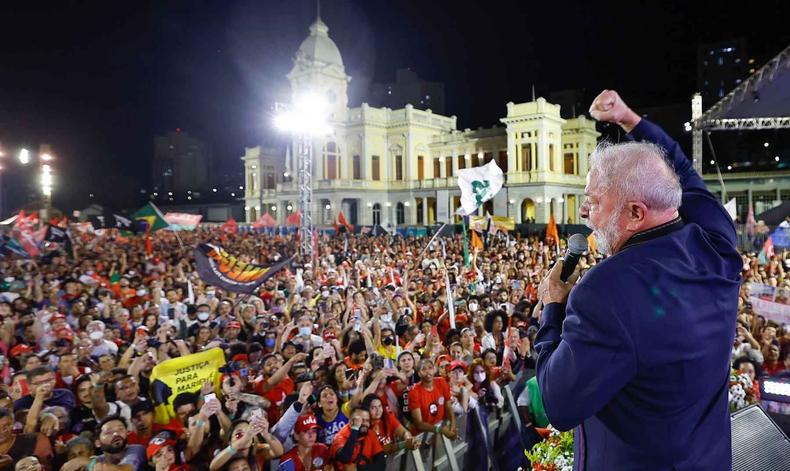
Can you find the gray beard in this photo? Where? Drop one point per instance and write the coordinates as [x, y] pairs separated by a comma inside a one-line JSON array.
[[605, 236]]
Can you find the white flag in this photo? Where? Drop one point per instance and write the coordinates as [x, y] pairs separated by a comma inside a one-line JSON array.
[[478, 185], [730, 207]]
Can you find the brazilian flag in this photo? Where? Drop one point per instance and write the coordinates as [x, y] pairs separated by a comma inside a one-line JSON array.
[[152, 217]]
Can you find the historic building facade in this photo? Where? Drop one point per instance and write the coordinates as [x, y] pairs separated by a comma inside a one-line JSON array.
[[399, 167]]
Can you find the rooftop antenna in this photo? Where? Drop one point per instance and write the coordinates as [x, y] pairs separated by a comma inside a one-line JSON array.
[[318, 8], [533, 92]]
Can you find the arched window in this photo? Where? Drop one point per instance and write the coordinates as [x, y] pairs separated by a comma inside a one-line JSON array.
[[376, 214], [400, 214]]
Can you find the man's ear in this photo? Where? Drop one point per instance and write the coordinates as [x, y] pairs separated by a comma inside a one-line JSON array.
[[636, 214]]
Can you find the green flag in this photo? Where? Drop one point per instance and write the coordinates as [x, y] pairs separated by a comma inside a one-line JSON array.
[[152, 217]]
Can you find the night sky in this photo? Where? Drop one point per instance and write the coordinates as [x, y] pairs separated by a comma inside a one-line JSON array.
[[98, 80]]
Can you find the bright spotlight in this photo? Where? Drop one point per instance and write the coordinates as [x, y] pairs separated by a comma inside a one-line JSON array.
[[306, 116], [24, 156]]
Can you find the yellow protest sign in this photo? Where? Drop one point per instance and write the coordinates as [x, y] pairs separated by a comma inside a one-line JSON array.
[[183, 374], [498, 223]]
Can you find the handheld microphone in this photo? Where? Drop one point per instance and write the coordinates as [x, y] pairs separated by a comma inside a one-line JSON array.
[[577, 245]]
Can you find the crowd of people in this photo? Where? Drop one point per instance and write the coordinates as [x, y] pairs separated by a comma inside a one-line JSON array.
[[335, 363]]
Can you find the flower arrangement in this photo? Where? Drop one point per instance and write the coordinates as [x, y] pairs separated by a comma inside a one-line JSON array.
[[554, 453], [741, 392]]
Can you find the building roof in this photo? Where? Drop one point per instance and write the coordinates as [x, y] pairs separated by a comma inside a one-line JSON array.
[[319, 47]]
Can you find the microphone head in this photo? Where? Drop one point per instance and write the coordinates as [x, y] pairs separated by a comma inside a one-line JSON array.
[[577, 244]]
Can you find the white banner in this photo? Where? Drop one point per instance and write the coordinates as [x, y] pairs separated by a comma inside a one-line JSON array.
[[183, 221], [771, 310]]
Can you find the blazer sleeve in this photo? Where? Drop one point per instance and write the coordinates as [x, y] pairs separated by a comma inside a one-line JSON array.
[[585, 356], [698, 204]]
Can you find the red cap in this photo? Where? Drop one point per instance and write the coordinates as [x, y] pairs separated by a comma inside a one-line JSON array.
[[306, 422], [58, 316], [442, 358], [233, 325], [19, 349], [156, 444], [64, 333], [240, 357], [457, 364]]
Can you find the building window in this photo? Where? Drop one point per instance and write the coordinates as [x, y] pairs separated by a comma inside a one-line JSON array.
[[331, 161], [437, 167], [251, 183], [502, 160], [376, 214], [487, 157], [356, 167], [418, 208], [569, 161], [448, 166], [526, 158], [475, 160], [420, 168], [399, 167], [375, 168], [551, 157], [400, 214], [269, 183], [461, 162]]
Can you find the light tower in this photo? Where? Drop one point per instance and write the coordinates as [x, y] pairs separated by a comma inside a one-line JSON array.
[[304, 119]]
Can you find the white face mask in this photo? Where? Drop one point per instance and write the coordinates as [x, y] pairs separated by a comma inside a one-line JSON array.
[[140, 292], [386, 317], [305, 331], [472, 307], [96, 335], [480, 377], [202, 316]]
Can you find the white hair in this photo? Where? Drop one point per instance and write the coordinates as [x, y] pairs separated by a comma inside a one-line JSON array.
[[636, 171]]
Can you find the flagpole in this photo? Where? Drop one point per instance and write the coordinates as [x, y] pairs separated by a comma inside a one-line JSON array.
[[431, 241], [179, 240]]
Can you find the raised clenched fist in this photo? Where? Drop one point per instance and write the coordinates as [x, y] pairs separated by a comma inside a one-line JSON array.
[[610, 108]]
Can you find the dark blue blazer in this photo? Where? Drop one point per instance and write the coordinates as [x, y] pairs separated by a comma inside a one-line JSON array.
[[638, 361]]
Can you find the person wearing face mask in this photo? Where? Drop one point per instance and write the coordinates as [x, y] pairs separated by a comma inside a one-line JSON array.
[[202, 319], [304, 335], [99, 345], [487, 391], [384, 343]]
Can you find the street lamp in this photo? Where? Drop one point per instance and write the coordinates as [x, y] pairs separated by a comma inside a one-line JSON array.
[[305, 118]]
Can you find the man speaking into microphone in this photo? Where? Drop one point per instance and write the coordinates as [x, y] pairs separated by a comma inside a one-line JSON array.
[[636, 355]]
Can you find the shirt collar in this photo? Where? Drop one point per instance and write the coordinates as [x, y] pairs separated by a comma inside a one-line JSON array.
[[653, 233]]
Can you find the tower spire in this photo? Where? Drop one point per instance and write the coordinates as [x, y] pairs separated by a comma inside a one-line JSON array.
[[318, 9]]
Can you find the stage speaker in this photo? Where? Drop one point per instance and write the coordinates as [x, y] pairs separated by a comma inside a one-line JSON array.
[[757, 443]]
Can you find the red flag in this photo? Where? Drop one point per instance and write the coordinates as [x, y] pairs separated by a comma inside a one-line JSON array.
[[552, 231], [266, 220], [293, 219], [476, 242], [230, 226], [750, 222], [342, 220]]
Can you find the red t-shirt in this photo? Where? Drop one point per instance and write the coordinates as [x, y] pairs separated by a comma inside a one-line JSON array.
[[319, 457], [275, 396], [369, 448], [431, 403], [384, 430]]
